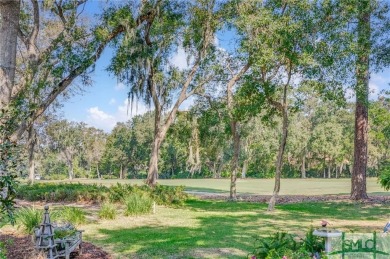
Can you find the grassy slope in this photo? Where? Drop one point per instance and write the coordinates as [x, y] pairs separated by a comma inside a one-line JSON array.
[[260, 186]]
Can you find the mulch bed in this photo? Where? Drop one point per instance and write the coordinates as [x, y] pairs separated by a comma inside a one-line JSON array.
[[21, 247]]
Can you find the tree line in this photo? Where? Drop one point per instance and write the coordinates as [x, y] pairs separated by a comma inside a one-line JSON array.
[[199, 145]]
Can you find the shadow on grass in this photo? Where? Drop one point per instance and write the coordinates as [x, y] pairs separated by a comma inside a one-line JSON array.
[[229, 225], [212, 234], [345, 211]]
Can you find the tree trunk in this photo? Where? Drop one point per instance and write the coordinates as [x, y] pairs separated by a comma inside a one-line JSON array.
[[236, 145], [121, 172], [279, 161], [214, 170], [9, 26], [234, 128], [31, 146], [98, 172], [219, 168], [244, 169], [70, 170], [339, 172], [153, 162], [303, 166], [329, 171], [358, 181]]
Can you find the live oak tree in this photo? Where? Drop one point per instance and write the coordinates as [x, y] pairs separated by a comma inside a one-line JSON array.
[[143, 60], [50, 62]]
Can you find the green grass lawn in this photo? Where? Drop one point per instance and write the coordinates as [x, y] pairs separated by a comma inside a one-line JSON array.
[[218, 229], [259, 186], [221, 229]]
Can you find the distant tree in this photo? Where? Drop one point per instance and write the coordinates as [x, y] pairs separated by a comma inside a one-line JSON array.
[[67, 139], [94, 141]]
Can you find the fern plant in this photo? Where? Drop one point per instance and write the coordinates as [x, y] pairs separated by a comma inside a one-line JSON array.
[[28, 219]]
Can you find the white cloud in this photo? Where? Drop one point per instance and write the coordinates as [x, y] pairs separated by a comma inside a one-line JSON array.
[[119, 86], [103, 120], [100, 119], [216, 41], [373, 90], [179, 60]]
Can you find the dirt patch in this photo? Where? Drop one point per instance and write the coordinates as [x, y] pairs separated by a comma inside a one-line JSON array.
[[21, 247]]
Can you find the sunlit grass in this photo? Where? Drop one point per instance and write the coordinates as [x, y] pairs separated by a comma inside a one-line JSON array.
[[216, 229], [256, 186]]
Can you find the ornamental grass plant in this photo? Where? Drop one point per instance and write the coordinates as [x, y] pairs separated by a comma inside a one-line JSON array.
[[28, 219], [107, 211], [138, 204]]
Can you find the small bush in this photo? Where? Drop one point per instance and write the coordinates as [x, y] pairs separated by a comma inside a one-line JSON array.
[[28, 219], [384, 177], [72, 215], [137, 204], [167, 195], [284, 245], [311, 243], [274, 244], [118, 192], [3, 251], [107, 211]]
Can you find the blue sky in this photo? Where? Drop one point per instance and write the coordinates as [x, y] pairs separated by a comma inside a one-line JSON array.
[[105, 103]]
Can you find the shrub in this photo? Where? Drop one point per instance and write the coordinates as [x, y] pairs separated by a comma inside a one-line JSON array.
[[28, 219], [384, 177], [107, 211], [137, 204], [3, 251], [166, 195], [283, 245], [51, 192], [274, 244], [313, 244], [72, 215], [118, 192]]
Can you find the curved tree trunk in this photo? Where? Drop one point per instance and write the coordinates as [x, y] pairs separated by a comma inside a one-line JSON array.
[[358, 185], [153, 163], [234, 130], [158, 137], [279, 161]]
